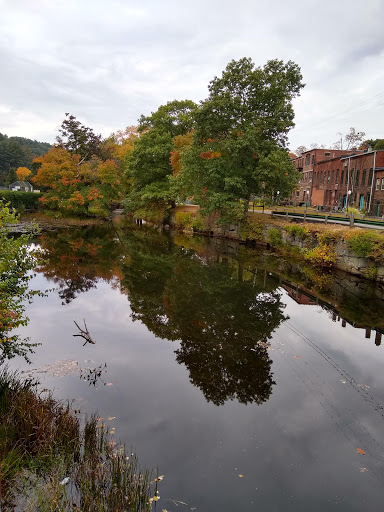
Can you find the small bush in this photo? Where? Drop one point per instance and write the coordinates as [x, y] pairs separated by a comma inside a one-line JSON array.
[[98, 211], [253, 229], [328, 237], [371, 273], [274, 237], [300, 232], [321, 256], [183, 219], [363, 243]]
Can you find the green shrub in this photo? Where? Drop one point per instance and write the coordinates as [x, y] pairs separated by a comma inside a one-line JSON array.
[[321, 256], [274, 237], [371, 273], [252, 229], [328, 237], [98, 211], [199, 223], [363, 243], [296, 231], [21, 201], [183, 219]]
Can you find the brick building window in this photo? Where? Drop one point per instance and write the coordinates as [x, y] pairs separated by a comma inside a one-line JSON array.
[[332, 176], [363, 177], [378, 184], [313, 159], [352, 177], [370, 176], [382, 184], [337, 176], [357, 178], [307, 159], [342, 177]]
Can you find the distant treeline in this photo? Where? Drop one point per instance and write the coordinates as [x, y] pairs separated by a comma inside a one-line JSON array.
[[18, 152]]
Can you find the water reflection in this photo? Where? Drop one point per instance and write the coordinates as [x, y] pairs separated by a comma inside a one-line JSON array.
[[94, 376], [222, 321], [74, 259], [222, 302]]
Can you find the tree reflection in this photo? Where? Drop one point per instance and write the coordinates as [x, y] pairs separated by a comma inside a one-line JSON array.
[[223, 322], [75, 259]]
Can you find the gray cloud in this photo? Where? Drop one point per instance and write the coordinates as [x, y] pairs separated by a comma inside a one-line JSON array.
[[109, 63]]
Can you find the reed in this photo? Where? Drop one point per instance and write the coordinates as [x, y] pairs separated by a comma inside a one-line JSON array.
[[52, 461]]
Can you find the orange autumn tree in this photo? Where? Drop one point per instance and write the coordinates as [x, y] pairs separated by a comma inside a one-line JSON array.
[[76, 186], [22, 173], [82, 172]]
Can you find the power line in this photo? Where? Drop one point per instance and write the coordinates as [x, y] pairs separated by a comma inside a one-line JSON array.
[[346, 111]]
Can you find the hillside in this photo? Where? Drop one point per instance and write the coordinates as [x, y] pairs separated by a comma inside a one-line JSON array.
[[18, 152]]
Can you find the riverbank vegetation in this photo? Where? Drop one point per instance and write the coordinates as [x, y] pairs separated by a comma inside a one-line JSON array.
[[51, 460], [17, 262], [21, 201], [322, 245]]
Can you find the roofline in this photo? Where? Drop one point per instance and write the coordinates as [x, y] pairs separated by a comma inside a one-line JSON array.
[[361, 154]]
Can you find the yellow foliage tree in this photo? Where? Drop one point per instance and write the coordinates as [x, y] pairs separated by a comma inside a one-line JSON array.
[[22, 173]]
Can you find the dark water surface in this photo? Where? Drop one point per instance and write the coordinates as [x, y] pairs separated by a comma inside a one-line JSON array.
[[249, 381]]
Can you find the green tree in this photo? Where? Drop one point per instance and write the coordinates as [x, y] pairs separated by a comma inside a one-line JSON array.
[[148, 167], [175, 118], [240, 129], [78, 139], [16, 263], [379, 144]]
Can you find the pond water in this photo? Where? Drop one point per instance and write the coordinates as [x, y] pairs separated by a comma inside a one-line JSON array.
[[249, 381]]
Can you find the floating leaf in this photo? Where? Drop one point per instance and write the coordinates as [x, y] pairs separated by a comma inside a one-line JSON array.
[[111, 418], [359, 450], [363, 470], [159, 478], [240, 476], [109, 384]]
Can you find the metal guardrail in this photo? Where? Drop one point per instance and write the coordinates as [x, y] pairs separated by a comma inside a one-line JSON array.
[[329, 218]]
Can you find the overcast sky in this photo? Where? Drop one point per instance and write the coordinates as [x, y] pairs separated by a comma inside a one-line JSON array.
[[108, 62]]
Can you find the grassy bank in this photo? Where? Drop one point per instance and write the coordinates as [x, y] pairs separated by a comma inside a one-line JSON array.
[[52, 461], [355, 250]]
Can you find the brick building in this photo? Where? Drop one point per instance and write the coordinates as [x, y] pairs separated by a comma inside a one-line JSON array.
[[355, 179], [306, 165]]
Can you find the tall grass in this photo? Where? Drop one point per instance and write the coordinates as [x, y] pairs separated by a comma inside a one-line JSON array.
[[51, 461]]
